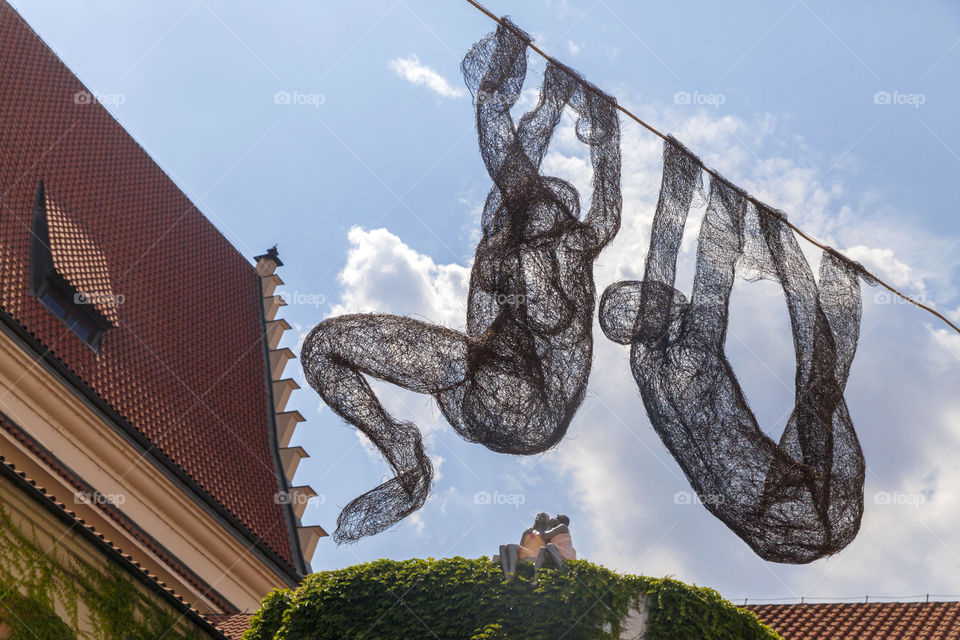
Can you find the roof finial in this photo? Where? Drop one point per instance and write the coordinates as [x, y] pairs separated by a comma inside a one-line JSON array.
[[271, 254]]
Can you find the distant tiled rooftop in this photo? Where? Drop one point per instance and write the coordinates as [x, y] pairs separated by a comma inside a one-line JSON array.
[[843, 621], [232, 626], [863, 620]]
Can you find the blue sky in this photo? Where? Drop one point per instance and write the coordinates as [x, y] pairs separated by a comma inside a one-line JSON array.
[[370, 181]]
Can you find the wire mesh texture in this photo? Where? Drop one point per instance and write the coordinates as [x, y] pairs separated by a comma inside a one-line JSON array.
[[515, 378], [792, 501]]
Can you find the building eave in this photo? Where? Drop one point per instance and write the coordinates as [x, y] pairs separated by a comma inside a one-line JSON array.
[[145, 448], [105, 546]]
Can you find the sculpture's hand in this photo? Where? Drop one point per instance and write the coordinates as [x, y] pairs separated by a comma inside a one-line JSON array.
[[494, 68]]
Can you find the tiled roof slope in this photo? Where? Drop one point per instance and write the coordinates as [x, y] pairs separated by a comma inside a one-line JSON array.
[[863, 621], [186, 365], [233, 626], [79, 259]]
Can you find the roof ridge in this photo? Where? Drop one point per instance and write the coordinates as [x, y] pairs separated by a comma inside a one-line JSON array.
[[6, 4]]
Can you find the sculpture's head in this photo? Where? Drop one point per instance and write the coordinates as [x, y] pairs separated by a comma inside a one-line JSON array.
[[541, 521], [549, 206], [558, 520], [544, 205], [641, 312]]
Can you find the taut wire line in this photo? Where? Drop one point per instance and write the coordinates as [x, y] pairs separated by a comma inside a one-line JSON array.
[[716, 175]]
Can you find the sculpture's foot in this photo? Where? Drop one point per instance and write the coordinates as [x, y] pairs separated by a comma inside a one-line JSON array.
[[379, 509]]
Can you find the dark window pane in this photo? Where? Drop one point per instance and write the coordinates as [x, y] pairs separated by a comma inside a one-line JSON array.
[[53, 302], [71, 314], [81, 328]]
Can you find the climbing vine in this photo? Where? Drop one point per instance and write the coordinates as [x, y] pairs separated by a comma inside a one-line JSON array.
[[36, 582], [459, 598]]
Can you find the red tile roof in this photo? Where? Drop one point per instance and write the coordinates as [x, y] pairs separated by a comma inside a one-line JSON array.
[[232, 626], [848, 621], [863, 621], [79, 259], [186, 365]]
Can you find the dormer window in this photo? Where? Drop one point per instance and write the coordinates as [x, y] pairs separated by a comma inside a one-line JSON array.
[[68, 272], [87, 328]]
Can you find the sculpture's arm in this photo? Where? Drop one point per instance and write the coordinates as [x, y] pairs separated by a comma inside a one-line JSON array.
[[494, 70], [599, 114], [537, 127], [550, 533]]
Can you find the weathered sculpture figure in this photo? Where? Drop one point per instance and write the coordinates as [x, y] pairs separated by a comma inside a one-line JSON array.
[[792, 501], [558, 545], [515, 378], [548, 539], [531, 542]]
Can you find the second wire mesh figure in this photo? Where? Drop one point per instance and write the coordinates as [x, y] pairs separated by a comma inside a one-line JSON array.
[[792, 501]]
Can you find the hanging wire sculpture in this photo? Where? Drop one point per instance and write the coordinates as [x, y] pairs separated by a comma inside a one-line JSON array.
[[792, 501], [513, 381]]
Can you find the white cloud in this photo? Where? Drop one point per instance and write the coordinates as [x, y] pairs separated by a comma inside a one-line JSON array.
[[416, 520], [528, 99], [574, 48], [417, 73], [883, 263], [612, 52], [949, 341], [385, 275]]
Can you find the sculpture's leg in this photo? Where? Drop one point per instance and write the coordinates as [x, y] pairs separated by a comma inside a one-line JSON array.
[[513, 557], [415, 355], [541, 558], [555, 555], [505, 561], [550, 551]]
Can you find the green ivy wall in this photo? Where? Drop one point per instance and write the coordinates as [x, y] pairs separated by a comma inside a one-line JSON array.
[[460, 599], [50, 589]]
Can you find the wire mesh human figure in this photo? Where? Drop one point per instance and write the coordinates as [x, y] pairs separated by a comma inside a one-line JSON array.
[[792, 501], [515, 378]]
